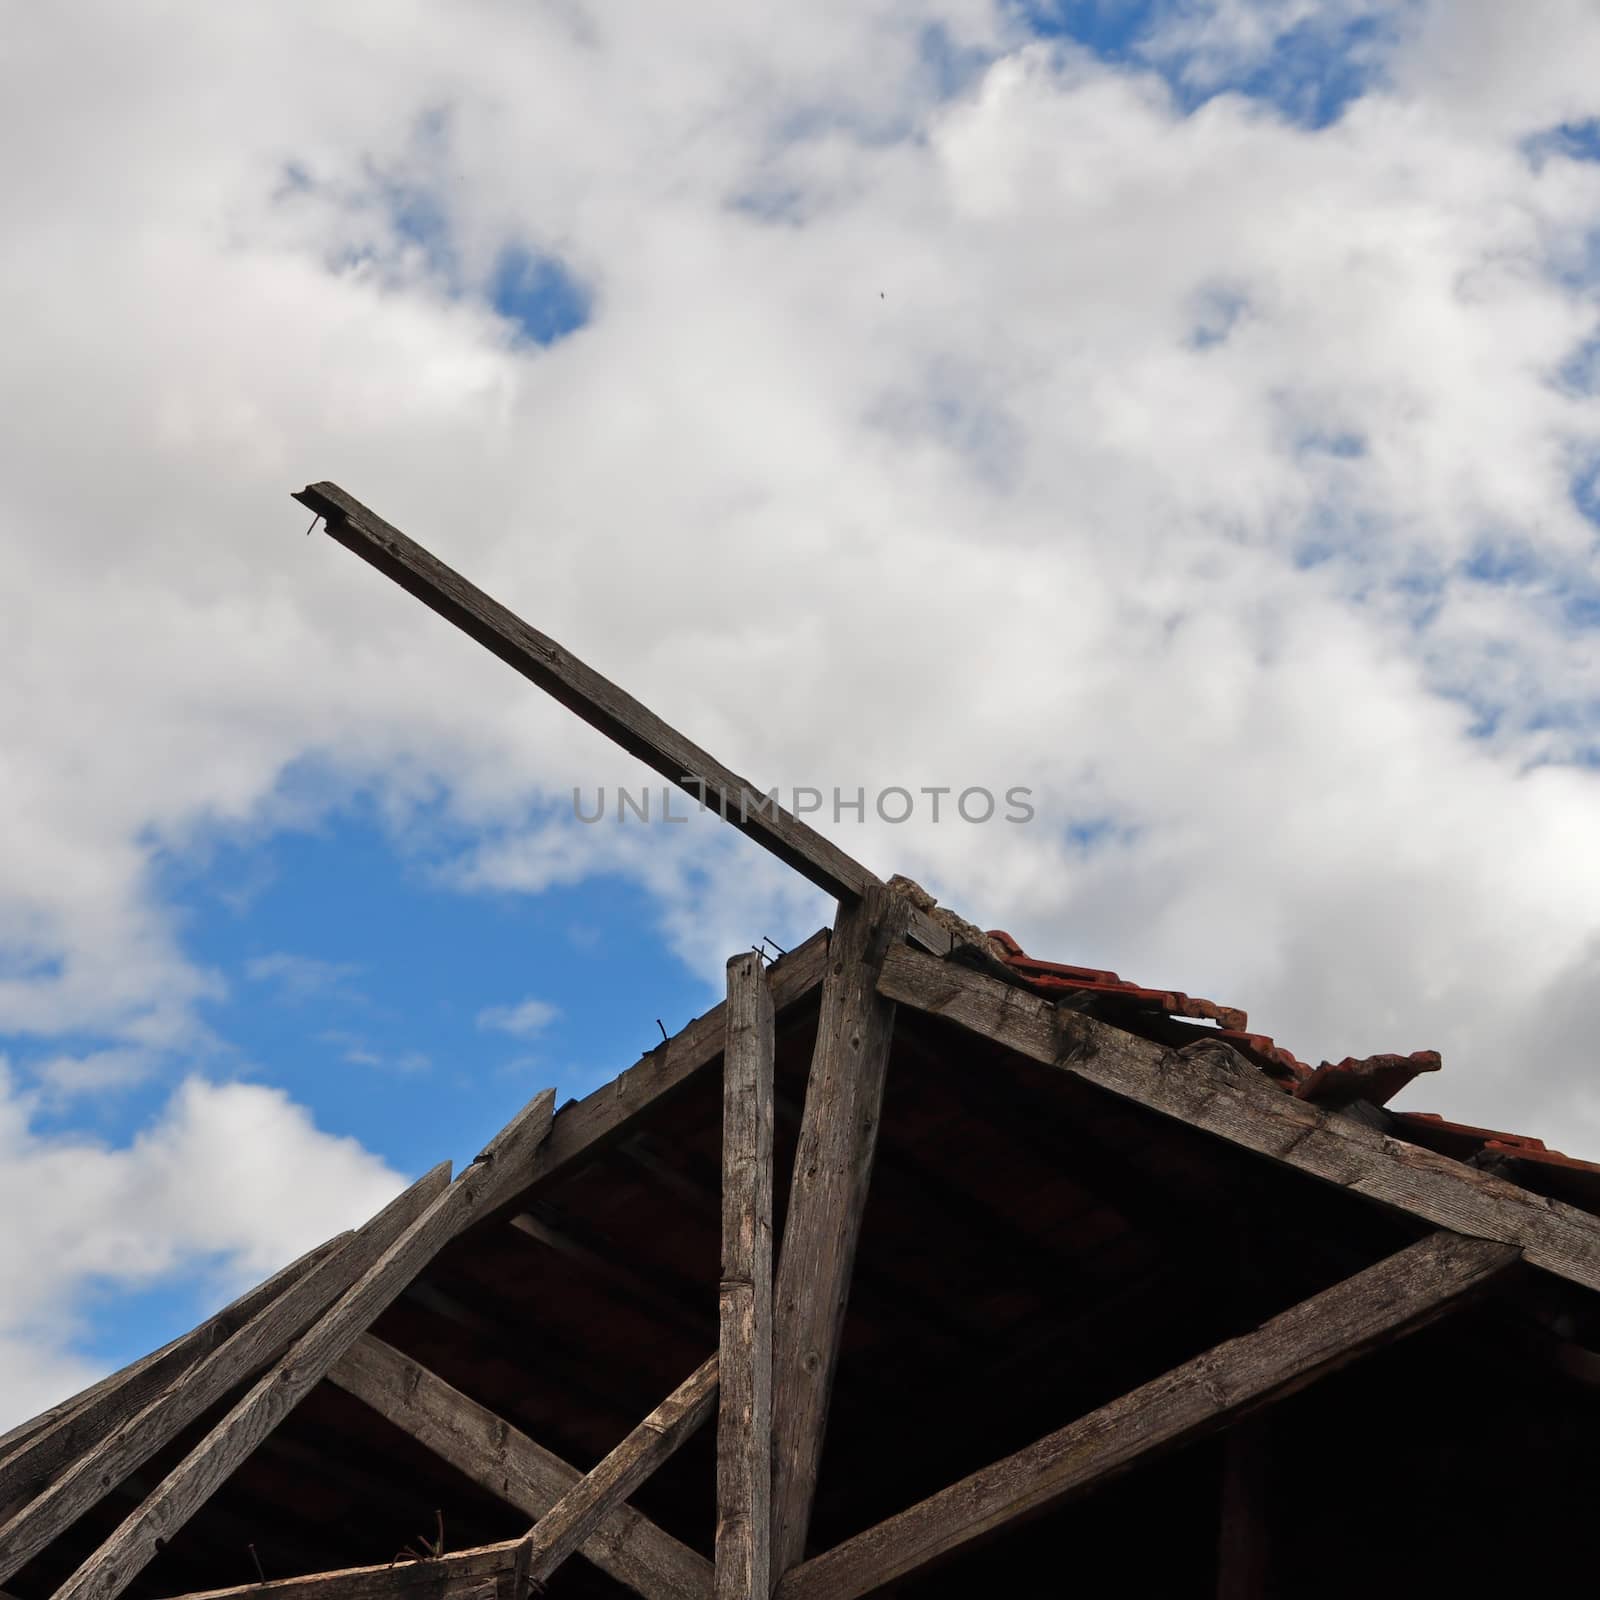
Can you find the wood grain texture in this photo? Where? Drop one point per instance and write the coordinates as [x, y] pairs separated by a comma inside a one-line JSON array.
[[593, 698], [459, 1575], [575, 1516], [827, 1195], [1216, 1090], [744, 1419], [1388, 1300], [497, 1172], [506, 1462], [81, 1424], [263, 1338]]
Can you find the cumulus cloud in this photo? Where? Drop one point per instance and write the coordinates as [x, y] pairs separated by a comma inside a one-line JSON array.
[[227, 1184], [955, 407]]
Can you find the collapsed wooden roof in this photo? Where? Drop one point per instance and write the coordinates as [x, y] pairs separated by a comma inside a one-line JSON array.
[[1067, 1275]]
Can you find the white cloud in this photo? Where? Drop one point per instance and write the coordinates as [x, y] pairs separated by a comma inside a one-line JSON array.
[[523, 1020], [64, 1077], [299, 978], [226, 1185], [1039, 436]]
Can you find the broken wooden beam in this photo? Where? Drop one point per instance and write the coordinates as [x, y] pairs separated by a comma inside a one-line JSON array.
[[744, 1421], [498, 1172], [500, 1458], [595, 699], [1218, 1091], [575, 1516], [827, 1197], [1375, 1307]]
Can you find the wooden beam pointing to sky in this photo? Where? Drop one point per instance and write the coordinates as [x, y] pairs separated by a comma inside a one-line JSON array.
[[587, 1504], [827, 1195], [498, 1172], [1216, 1090], [744, 1422], [626, 1545], [595, 699], [1398, 1295]]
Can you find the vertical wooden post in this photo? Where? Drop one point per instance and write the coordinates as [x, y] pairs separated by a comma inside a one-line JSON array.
[[1241, 1512], [827, 1196], [1242, 1530], [744, 1423]]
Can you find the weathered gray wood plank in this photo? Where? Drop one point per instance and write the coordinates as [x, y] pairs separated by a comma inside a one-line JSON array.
[[263, 1338], [66, 1431], [744, 1420], [1219, 1092], [827, 1195], [575, 1516], [1388, 1300], [595, 699], [506, 1462], [459, 1575], [498, 1172]]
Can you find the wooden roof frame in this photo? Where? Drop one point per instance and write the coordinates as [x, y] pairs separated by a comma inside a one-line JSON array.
[[781, 1309]]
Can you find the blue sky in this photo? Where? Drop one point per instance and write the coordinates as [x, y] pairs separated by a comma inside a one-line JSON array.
[[1185, 410]]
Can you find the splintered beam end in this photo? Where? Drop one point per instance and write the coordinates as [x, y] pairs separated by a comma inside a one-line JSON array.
[[326, 500]]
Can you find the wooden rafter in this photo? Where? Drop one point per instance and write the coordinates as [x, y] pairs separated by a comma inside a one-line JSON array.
[[744, 1423], [827, 1197], [39, 1451], [1215, 1090], [458, 1575], [262, 1339], [660, 1297], [600, 1492], [1387, 1301], [497, 1174], [500, 1458]]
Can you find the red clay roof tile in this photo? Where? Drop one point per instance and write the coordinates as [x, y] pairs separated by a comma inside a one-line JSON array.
[[1374, 1079]]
